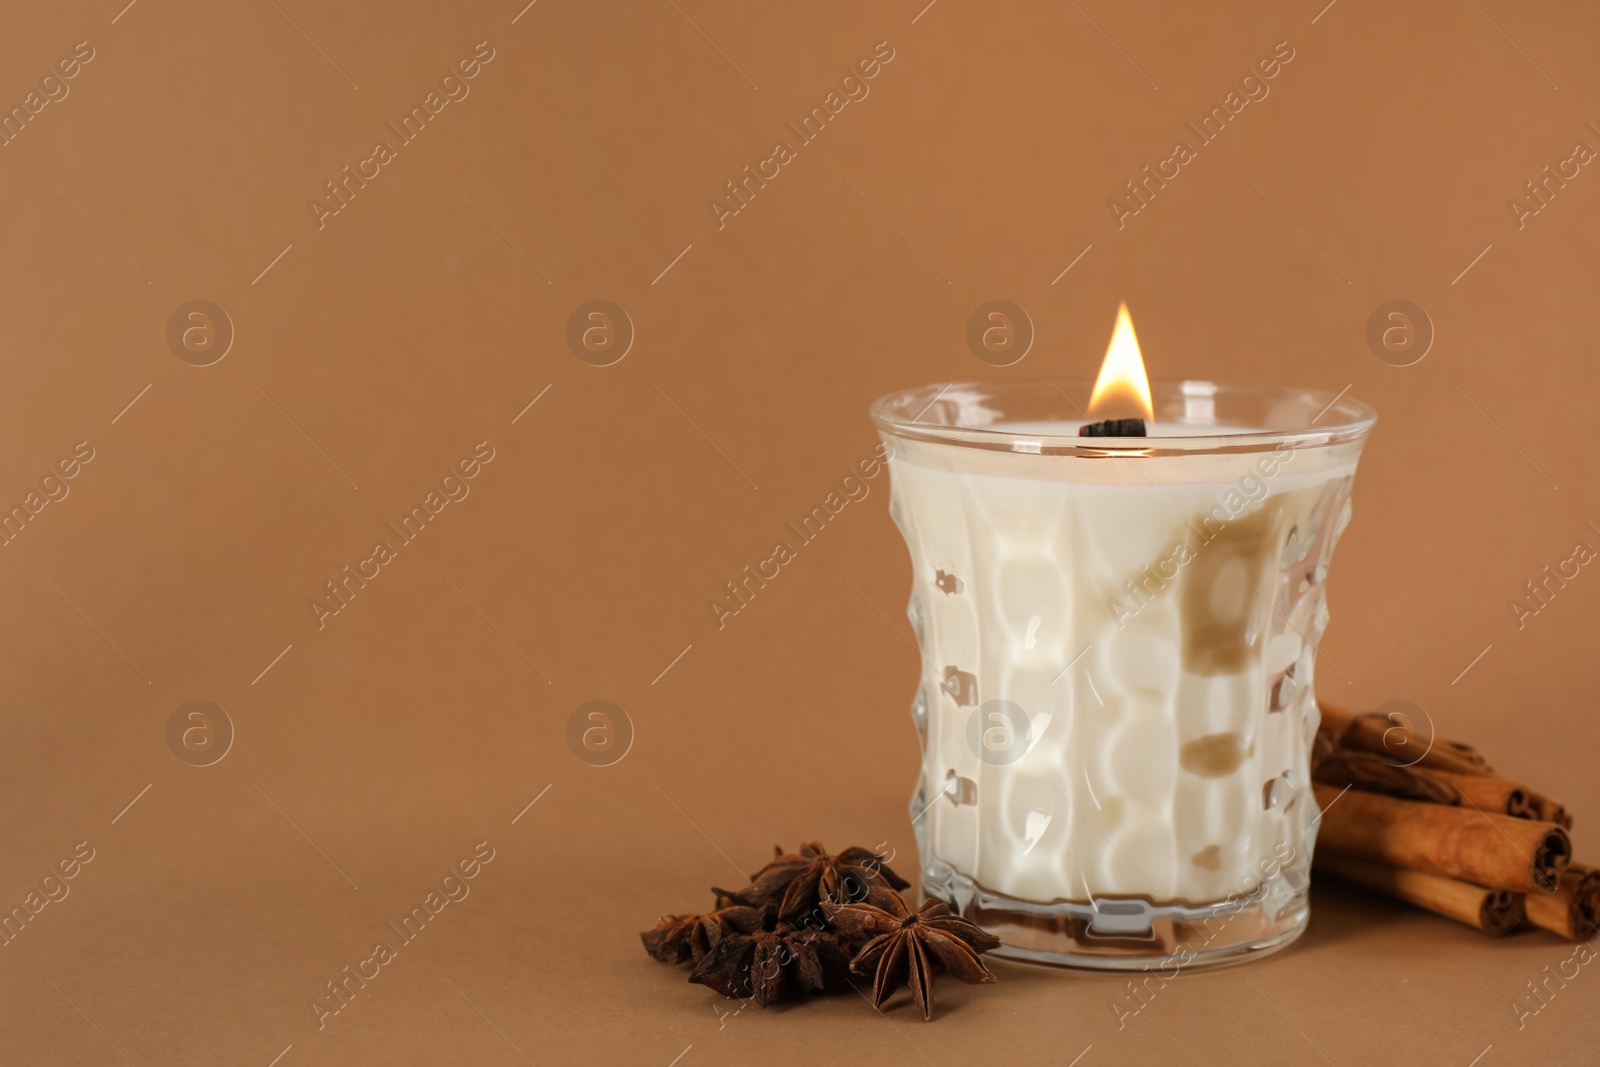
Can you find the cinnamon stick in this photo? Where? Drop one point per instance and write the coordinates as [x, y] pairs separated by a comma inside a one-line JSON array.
[[1483, 848], [1371, 732], [1550, 810], [1573, 910], [1487, 792], [1377, 774], [1494, 911], [1494, 793]]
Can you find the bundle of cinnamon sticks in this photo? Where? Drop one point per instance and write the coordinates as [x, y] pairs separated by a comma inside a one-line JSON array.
[[1431, 823]]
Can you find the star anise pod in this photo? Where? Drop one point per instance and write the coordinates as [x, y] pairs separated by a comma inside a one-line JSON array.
[[676, 938], [773, 965], [802, 883], [906, 947]]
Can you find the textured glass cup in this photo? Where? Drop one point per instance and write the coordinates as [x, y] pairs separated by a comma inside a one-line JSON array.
[[1118, 637]]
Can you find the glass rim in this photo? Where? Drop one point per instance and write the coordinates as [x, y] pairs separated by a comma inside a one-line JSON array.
[[902, 415]]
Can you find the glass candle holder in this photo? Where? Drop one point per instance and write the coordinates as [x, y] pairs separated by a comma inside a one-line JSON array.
[[1118, 641]]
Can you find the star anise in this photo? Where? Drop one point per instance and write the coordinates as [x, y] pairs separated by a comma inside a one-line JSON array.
[[906, 946], [773, 965], [676, 938], [801, 883]]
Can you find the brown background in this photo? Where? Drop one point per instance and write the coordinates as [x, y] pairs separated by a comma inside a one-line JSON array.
[[410, 327]]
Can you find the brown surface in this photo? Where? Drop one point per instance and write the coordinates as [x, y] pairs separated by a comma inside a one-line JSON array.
[[408, 329]]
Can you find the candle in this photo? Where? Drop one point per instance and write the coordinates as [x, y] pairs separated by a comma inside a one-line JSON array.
[[1118, 646]]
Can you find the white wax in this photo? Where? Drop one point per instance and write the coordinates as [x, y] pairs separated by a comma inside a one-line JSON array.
[[1019, 560]]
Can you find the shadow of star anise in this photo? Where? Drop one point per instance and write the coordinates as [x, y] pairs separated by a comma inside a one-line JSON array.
[[773, 965], [799, 884], [906, 947], [676, 938]]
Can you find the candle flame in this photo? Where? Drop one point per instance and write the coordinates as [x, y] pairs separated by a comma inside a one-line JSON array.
[[1122, 389]]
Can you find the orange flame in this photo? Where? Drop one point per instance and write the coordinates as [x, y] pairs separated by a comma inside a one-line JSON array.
[[1122, 389]]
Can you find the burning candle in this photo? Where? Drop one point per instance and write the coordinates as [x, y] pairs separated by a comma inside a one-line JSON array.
[[1118, 636]]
